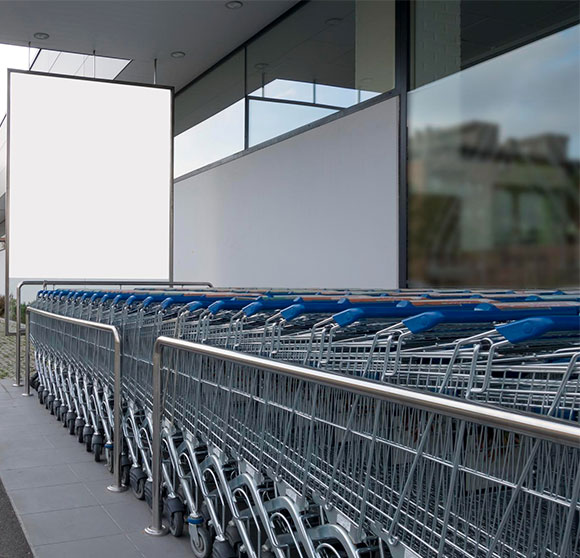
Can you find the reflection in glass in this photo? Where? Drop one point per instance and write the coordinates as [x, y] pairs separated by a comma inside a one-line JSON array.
[[331, 54], [209, 117], [211, 140], [494, 159], [269, 120]]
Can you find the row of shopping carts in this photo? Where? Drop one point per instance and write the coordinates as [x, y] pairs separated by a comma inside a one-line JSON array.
[[260, 463]]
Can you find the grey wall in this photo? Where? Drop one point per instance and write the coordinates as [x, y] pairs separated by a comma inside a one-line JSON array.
[[318, 209]]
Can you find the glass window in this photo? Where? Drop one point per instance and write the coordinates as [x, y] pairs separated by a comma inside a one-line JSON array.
[[209, 117], [331, 55], [494, 145], [269, 120], [213, 139], [75, 64]]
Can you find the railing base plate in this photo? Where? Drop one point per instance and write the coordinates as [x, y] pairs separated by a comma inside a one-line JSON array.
[[155, 532]]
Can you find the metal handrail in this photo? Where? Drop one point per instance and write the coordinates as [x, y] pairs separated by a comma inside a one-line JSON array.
[[548, 429], [117, 485], [73, 283]]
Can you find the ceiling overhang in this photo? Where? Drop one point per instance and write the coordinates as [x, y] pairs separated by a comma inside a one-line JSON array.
[[206, 30]]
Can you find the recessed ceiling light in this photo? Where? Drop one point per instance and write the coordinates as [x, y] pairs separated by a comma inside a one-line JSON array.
[[261, 66], [177, 54], [333, 21], [41, 36], [234, 5]]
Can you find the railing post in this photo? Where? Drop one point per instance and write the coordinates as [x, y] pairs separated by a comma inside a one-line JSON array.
[[117, 411], [156, 528], [117, 485], [26, 356], [18, 318]]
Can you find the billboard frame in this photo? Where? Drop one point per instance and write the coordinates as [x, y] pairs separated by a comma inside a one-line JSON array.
[[168, 88]]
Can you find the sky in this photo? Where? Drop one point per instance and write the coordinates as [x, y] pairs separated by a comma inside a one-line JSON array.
[[531, 90]]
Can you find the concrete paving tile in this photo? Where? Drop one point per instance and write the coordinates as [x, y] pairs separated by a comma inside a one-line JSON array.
[[14, 430], [32, 477], [68, 525], [49, 498], [99, 490], [32, 457], [61, 438], [116, 546], [11, 445], [167, 546], [91, 471], [130, 516], [21, 417]]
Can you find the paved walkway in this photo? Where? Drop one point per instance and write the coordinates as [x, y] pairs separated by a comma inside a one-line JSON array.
[[59, 493]]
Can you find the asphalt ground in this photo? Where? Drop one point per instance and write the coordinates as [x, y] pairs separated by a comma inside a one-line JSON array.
[[13, 543]]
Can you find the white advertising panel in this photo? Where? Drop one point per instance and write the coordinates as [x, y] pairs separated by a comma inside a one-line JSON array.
[[89, 179]]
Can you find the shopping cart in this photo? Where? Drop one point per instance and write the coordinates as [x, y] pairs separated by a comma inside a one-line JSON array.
[[248, 467]]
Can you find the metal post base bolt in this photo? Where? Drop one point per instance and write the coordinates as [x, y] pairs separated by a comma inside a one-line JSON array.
[[157, 531], [115, 488]]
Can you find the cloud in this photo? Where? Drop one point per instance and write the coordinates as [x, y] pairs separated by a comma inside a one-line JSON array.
[[531, 90]]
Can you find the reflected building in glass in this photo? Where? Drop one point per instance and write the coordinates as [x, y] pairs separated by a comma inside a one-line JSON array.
[[483, 212]]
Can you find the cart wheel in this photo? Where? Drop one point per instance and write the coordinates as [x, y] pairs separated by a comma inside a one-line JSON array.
[[176, 523], [80, 435], [138, 488], [233, 536], [200, 542], [89, 443], [98, 451], [125, 475], [110, 461], [71, 427]]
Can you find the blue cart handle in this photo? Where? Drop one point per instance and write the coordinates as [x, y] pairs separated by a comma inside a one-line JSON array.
[[531, 328]]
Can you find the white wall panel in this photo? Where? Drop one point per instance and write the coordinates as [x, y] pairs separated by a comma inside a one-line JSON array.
[[318, 209], [90, 176]]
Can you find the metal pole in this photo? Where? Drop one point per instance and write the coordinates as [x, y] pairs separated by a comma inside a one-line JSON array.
[[117, 485], [55, 282], [156, 528], [18, 319], [117, 410], [27, 357]]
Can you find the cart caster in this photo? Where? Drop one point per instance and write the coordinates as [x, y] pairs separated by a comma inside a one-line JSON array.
[[110, 460], [176, 511], [232, 535], [96, 446], [61, 415], [79, 427], [137, 481], [88, 438], [125, 475], [201, 543], [176, 523]]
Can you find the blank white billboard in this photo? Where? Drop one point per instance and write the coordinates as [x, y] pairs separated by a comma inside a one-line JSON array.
[[89, 179]]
